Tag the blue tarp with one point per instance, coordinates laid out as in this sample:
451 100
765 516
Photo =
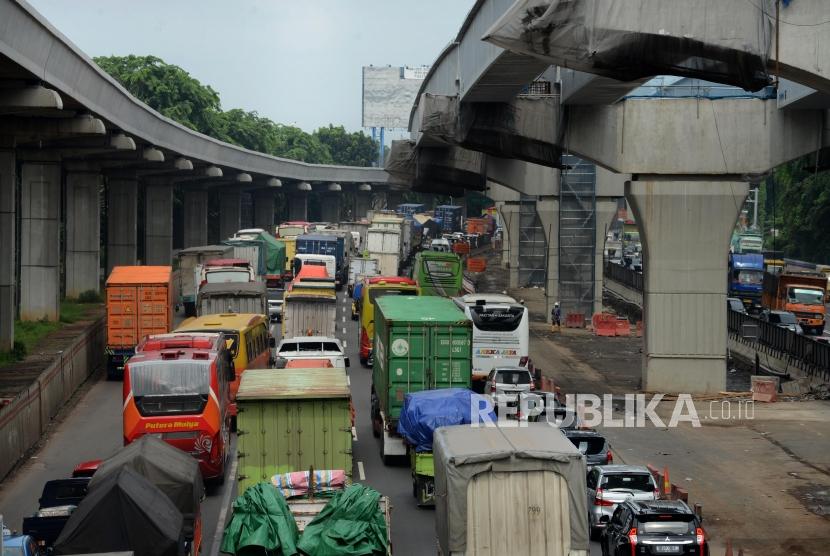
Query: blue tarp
425 411
357 291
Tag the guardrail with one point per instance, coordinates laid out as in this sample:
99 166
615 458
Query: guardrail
813 356
624 275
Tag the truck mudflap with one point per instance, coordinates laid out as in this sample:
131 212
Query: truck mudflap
391 445
423 477
116 360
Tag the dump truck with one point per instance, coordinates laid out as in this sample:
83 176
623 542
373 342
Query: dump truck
139 303
233 297
292 420
335 245
421 343
801 293
310 304
187 280
531 477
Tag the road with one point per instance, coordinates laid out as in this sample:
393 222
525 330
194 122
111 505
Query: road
91 429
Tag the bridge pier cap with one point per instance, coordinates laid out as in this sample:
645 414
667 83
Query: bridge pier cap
685 228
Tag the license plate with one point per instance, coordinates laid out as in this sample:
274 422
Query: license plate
666 549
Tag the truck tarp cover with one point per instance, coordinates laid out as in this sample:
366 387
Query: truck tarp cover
274 254
351 524
174 472
123 512
463 452
725 42
261 523
425 411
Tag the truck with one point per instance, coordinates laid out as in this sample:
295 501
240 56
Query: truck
485 474
275 256
292 420
233 297
746 277
327 245
360 269
186 277
408 209
328 351
310 304
438 273
420 343
139 303
746 242
58 500
292 229
251 250
359 228
449 216
801 293
384 244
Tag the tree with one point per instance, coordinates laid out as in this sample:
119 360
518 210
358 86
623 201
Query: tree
348 149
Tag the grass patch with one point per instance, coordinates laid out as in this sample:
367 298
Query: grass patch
27 334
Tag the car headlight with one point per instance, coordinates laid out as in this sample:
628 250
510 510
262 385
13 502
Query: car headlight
57 511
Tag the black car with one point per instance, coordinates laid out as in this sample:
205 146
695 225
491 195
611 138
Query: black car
654 527
592 444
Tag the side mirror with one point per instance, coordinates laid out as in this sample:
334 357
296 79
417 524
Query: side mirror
272 342
346 361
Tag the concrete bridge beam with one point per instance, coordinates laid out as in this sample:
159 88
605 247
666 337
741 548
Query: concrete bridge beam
83 232
685 229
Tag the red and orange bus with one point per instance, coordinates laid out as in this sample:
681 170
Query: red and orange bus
177 387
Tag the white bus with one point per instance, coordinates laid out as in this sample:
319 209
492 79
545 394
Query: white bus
500 332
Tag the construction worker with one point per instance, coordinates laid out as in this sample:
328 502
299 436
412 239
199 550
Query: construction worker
555 318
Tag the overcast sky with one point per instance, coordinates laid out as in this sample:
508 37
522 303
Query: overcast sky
294 61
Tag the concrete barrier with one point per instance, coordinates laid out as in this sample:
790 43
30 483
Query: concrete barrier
24 419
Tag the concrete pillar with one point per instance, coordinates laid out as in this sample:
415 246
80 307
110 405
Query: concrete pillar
83 232
685 228
393 199
605 212
264 210
548 210
362 203
298 206
195 217
379 200
122 222
158 224
331 207
8 264
509 212
428 199
230 213
40 248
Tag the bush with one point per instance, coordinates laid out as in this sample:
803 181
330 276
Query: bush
89 296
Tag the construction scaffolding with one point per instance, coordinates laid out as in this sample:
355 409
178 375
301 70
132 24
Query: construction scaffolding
577 235
532 245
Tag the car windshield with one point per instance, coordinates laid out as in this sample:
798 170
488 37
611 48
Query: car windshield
806 296
170 378
633 481
589 446
513 377
223 276
676 526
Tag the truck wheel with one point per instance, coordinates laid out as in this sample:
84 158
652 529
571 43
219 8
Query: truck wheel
364 361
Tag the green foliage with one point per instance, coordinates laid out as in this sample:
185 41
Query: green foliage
176 94
795 201
90 296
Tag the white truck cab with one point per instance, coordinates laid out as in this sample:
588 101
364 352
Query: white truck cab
313 347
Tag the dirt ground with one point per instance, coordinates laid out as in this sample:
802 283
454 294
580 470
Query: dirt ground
762 477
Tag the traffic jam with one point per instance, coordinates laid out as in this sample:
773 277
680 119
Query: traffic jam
234 369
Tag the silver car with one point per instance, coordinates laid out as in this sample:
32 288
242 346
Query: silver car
608 485
505 385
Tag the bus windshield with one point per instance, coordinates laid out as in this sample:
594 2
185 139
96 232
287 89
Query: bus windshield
170 378
496 319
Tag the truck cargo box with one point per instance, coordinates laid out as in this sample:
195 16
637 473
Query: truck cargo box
189 259
421 343
388 263
383 240
292 420
532 478
233 297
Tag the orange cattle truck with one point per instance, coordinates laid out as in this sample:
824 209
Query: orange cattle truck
801 293
139 303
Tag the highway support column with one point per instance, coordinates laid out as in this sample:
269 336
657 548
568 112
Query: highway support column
122 222
509 212
330 211
264 210
605 210
362 203
230 213
8 264
40 241
685 228
548 210
158 224
298 206
83 231
195 217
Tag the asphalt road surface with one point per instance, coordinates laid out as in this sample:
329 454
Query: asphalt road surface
91 429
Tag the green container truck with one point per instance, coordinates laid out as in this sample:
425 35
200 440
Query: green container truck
421 343
292 420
